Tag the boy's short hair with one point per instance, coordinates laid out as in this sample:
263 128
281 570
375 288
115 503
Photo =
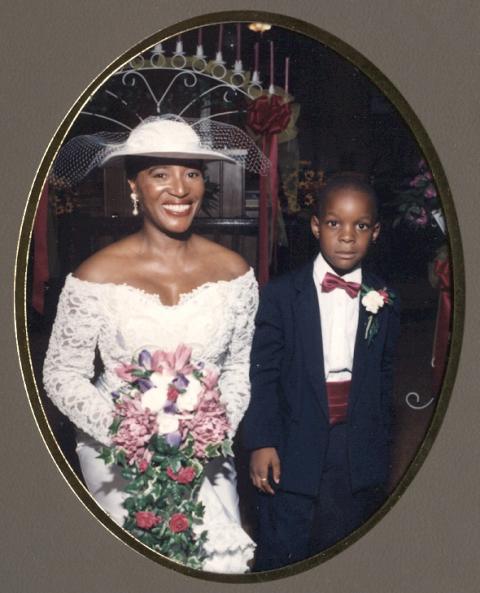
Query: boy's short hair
354 181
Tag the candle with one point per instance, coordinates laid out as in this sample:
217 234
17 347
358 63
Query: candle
200 33
287 72
239 41
179 48
257 56
220 38
271 63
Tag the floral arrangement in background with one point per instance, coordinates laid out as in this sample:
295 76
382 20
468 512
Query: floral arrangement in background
62 198
63 203
311 180
418 204
169 422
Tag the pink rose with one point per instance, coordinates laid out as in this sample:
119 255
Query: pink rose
208 426
135 430
416 181
184 476
142 465
146 519
430 192
422 219
178 522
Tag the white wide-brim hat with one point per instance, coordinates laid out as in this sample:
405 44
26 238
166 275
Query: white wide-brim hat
165 138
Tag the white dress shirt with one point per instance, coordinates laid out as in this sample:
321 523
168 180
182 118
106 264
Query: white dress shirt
339 321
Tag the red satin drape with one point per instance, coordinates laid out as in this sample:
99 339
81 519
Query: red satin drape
40 253
442 328
267 116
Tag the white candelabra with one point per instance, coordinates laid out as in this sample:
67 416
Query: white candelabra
188 68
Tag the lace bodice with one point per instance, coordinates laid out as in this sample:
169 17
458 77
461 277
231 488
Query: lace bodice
216 320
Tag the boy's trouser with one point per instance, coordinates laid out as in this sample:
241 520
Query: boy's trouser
292 527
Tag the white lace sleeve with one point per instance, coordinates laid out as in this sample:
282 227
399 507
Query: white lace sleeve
234 380
69 368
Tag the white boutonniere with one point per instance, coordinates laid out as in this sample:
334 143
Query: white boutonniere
373 300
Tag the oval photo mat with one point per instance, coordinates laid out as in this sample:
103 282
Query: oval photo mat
347 117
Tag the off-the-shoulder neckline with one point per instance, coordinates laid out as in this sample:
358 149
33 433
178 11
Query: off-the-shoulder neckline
155 296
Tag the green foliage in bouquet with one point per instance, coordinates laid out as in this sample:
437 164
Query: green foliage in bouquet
162 504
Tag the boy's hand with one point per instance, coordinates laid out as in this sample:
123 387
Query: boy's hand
261 461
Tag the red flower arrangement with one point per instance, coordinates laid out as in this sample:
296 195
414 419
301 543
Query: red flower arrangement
146 519
178 523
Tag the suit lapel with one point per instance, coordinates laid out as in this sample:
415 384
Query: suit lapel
307 318
361 351
359 355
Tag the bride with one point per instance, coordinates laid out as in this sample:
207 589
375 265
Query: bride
162 286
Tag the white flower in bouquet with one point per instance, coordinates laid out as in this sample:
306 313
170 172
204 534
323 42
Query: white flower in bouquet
156 397
167 423
161 380
188 400
373 301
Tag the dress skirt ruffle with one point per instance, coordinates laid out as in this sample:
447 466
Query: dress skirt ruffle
228 546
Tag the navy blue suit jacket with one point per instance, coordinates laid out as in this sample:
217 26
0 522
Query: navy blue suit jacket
289 409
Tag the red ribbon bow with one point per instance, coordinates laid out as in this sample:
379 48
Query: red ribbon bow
331 281
268 115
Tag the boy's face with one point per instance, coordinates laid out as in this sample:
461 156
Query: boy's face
345 228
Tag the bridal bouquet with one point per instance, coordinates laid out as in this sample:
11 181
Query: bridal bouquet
169 422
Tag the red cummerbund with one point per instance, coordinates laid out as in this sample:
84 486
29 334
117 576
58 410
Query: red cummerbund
337 395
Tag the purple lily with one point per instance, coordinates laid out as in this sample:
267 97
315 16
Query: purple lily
180 382
170 407
143 385
145 359
174 438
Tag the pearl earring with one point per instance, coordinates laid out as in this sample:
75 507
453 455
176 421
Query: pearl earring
134 198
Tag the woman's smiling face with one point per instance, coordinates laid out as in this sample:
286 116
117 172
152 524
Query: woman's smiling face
345 227
170 194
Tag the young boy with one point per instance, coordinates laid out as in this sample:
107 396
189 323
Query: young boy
318 424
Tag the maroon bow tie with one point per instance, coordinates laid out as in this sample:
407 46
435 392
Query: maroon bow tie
331 281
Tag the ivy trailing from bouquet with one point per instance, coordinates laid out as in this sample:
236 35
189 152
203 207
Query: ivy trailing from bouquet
168 424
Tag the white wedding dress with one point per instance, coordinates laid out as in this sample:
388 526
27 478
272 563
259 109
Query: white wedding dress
215 320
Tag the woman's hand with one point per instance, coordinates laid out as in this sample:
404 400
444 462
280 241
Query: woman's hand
261 460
